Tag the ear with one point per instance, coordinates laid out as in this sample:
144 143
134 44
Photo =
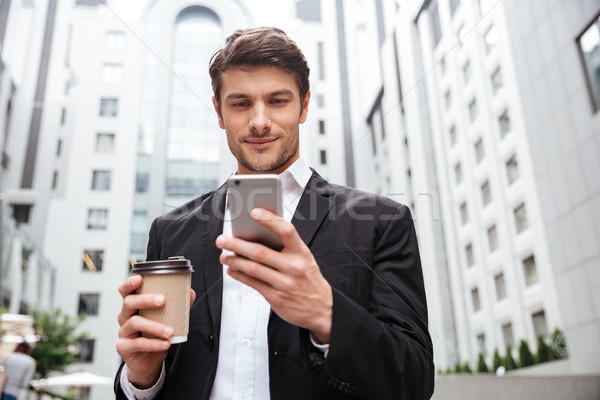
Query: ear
304 112
216 106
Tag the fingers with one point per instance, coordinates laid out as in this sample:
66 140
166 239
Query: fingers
136 324
134 302
141 345
254 269
192 296
131 284
286 230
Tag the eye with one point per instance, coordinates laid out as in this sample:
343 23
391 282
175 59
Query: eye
279 101
239 104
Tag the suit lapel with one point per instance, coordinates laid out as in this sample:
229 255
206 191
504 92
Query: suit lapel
313 207
212 213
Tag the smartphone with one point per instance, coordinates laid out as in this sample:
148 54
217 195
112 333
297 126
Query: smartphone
246 192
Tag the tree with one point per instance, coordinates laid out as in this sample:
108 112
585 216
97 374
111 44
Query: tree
509 361
543 351
525 356
481 365
53 352
497 363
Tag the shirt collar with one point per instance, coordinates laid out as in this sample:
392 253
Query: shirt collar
298 174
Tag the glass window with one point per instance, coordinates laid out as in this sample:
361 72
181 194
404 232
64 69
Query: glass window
530 270
512 169
63 116
436 28
115 40
101 180
321 60
504 124
479 151
86 350
141 182
521 218
192 160
139 224
105 142
448 99
97 218
452 134
497 83
443 65
486 193
481 344
323 157
21 212
540 328
309 10
589 48
473 110
109 107
320 101
492 238
54 180
475 299
458 173
112 73
453 6
467 71
507 334
321 127
491 38
500 287
92 260
469 254
88 303
464 215
58 147
461 34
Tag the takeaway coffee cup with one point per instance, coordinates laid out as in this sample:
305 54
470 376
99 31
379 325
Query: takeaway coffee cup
173 278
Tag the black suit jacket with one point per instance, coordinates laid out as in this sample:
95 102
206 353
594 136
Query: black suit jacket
367 250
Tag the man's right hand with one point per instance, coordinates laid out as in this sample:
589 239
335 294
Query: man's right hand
143 356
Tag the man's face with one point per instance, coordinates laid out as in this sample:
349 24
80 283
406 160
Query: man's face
261 111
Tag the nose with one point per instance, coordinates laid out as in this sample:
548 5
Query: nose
260 120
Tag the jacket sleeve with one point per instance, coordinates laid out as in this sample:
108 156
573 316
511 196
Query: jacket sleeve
385 351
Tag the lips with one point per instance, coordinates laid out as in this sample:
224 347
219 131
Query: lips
261 143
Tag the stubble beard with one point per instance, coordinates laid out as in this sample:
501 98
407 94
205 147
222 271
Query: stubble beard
258 165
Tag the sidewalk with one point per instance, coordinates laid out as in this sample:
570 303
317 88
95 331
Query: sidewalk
491 387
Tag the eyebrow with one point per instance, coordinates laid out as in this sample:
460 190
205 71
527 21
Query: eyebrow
235 96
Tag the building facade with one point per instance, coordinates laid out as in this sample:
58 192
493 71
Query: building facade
458 104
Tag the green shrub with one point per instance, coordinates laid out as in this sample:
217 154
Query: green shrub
466 368
525 356
481 365
497 362
457 368
543 351
509 361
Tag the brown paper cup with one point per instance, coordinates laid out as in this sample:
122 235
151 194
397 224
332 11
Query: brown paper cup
173 279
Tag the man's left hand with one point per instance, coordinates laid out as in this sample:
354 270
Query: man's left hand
290 279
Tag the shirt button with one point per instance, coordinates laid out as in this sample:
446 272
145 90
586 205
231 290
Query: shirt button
245 341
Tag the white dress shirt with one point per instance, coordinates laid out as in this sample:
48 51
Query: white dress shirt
243 367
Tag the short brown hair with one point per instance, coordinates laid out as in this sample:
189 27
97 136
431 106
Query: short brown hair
24 348
259 46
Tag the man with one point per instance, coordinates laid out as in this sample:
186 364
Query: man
338 313
19 367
